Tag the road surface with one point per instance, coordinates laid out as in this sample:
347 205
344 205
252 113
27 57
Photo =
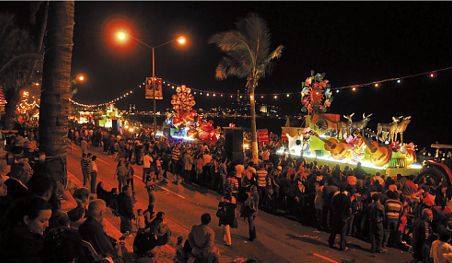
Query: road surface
279 239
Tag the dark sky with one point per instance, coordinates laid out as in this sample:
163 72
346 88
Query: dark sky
352 42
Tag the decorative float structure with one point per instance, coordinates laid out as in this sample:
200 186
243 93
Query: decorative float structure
326 138
185 123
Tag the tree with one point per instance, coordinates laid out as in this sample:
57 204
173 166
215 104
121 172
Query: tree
21 55
55 92
247 55
16 57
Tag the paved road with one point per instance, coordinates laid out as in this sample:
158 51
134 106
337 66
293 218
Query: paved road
278 239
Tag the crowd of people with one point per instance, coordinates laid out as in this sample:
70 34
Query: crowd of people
44 221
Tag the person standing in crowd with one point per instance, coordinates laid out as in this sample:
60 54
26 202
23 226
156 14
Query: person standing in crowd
202 241
121 174
130 175
94 171
125 210
84 146
223 174
93 231
340 212
261 174
227 218
199 166
175 156
249 211
147 160
393 213
206 159
422 236
188 165
88 166
376 219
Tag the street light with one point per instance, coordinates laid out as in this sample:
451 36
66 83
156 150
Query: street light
122 36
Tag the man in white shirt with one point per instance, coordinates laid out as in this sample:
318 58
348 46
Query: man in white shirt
147 160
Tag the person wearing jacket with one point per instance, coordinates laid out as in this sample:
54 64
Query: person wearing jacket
249 210
227 204
125 210
340 212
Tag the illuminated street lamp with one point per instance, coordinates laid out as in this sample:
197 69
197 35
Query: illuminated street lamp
122 36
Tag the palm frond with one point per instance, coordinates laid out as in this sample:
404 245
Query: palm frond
277 53
257 34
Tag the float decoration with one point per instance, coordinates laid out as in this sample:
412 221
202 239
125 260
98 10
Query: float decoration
316 95
182 119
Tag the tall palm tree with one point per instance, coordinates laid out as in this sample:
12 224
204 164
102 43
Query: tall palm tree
247 55
55 92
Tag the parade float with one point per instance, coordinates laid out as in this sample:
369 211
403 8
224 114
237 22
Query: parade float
185 123
327 139
109 118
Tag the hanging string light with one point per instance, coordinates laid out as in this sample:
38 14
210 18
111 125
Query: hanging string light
354 87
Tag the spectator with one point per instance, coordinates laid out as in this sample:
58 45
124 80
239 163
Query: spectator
202 241
94 171
422 235
24 242
125 210
376 219
441 247
393 213
227 205
340 213
249 210
92 230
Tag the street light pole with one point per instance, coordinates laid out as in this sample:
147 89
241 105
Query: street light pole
122 36
154 90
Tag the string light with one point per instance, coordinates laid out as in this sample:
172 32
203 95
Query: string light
354 87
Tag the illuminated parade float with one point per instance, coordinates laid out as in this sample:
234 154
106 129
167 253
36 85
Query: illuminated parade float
328 139
185 123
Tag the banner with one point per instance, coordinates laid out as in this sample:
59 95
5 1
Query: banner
149 90
262 135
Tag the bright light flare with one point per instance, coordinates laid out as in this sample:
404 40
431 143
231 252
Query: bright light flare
181 40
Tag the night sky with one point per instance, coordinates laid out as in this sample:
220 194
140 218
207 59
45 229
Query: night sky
352 42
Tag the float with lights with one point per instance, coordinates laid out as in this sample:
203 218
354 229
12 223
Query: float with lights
328 139
185 123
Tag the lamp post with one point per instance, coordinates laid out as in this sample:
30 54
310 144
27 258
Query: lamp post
122 36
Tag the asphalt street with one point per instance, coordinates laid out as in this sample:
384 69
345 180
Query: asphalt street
279 239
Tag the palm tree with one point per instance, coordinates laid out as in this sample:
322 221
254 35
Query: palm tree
55 92
21 55
16 57
247 55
